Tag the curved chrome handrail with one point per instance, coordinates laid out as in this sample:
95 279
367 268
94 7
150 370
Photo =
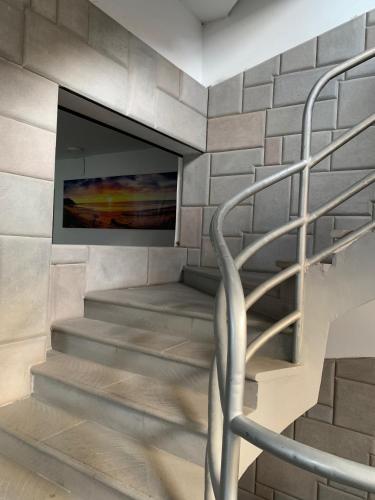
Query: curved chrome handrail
227 423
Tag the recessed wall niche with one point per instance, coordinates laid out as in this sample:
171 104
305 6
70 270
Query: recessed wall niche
111 187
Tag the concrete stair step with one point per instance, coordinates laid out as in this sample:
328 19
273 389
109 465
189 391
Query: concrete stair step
19 483
171 358
275 304
92 460
167 415
173 308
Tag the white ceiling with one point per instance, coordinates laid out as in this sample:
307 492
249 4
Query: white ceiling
209 10
199 36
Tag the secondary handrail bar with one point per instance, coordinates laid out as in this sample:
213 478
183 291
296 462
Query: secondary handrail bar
273 330
319 462
341 244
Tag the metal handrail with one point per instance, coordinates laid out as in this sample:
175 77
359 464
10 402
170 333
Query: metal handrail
227 423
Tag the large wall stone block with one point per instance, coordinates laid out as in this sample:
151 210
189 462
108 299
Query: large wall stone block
142 81
208 256
342 442
319 140
273 148
20 4
236 162
324 227
168 77
196 181
116 267
271 206
370 37
26 150
371 17
26 205
165 265
236 131
223 188
191 227
356 101
280 475
180 121
355 406
69 254
24 269
326 185
46 8
194 257
108 36
194 94
359 153
226 97
74 15
238 221
11 32
343 42
67 290
357 369
263 73
327 493
15 360
288 120
59 55
258 98
301 57
327 385
283 249
27 97
294 88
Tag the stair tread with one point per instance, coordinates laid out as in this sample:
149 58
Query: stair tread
171 298
193 352
247 277
165 400
120 461
18 483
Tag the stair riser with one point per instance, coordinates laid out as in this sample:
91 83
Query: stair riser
168 436
35 458
275 304
193 328
141 363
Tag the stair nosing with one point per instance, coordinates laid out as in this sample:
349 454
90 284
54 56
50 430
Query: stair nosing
112 398
161 355
131 347
170 312
82 468
151 307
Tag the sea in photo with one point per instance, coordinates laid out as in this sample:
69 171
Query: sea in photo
142 201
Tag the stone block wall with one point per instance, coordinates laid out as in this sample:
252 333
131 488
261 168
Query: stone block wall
77 269
341 423
45 44
254 130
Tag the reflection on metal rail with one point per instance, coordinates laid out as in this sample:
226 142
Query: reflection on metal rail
227 424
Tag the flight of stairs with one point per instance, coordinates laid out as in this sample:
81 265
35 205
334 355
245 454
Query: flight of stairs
119 409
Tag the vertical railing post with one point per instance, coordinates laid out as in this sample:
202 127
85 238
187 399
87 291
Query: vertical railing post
302 232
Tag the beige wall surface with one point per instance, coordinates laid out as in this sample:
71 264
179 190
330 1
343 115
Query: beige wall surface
45 44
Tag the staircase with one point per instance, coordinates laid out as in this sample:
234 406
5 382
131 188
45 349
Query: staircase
119 409
165 392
